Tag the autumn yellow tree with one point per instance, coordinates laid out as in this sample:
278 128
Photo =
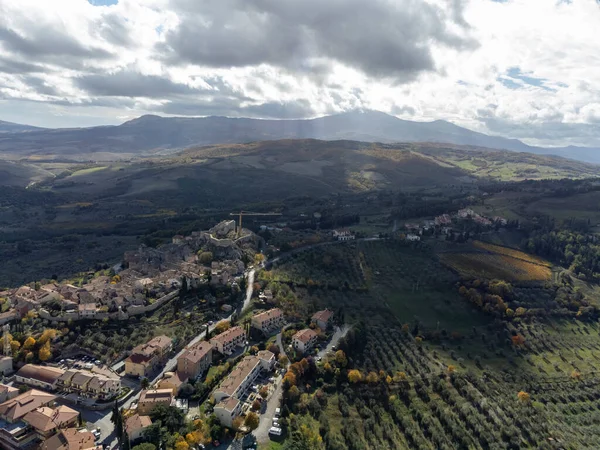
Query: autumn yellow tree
340 358
289 380
523 397
181 444
222 326
47 335
15 346
451 369
388 380
354 376
576 375
45 353
29 343
237 423
251 421
520 311
372 378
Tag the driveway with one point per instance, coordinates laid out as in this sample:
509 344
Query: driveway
266 417
339 333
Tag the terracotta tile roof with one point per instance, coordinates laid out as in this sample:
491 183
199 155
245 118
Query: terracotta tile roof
137 423
305 335
81 378
229 404
266 355
197 352
228 335
139 359
71 439
233 381
17 407
270 314
45 374
156 395
323 316
158 343
46 419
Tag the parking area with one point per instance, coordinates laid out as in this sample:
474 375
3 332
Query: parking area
269 408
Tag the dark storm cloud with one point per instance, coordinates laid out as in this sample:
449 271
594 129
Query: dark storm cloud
8 65
379 37
45 45
222 106
131 84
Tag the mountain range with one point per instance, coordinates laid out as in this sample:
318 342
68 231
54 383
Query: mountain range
152 135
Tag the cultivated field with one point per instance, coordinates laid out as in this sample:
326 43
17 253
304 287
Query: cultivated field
496 262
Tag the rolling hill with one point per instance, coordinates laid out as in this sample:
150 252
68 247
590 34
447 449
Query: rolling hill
9 127
155 135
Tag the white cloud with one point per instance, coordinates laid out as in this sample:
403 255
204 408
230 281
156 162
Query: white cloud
535 74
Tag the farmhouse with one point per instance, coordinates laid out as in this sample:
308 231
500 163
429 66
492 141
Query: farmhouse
304 340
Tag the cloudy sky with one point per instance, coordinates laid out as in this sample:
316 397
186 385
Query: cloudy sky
528 69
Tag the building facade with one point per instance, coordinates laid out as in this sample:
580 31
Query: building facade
226 342
195 360
269 321
304 340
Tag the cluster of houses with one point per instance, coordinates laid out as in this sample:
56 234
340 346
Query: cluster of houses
148 278
444 223
84 383
34 420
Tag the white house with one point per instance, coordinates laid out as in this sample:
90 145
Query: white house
343 235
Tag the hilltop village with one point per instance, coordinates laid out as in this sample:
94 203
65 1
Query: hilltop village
146 279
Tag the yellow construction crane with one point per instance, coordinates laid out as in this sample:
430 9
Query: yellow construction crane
246 213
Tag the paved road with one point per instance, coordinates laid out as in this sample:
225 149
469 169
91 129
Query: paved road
339 333
249 289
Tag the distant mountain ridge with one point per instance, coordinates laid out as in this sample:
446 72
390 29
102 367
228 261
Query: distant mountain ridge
10 127
153 134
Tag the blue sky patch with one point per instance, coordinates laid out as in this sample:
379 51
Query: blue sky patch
103 2
515 79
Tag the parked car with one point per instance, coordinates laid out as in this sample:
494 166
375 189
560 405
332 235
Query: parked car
275 431
277 412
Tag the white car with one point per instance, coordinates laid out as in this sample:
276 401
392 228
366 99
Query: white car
277 412
274 430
